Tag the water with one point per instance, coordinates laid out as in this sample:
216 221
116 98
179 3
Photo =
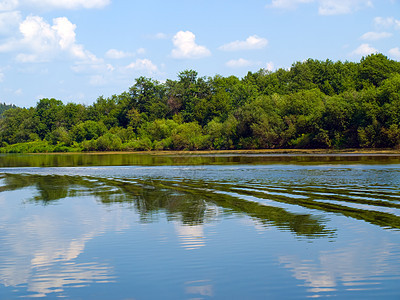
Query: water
199 226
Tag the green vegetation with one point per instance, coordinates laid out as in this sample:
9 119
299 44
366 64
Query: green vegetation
4 107
315 104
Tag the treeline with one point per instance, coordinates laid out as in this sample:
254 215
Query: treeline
314 104
4 107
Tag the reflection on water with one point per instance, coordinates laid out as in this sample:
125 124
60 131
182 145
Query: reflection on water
191 237
182 159
183 201
201 231
349 268
201 287
39 248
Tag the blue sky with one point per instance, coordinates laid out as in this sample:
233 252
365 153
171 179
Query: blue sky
78 50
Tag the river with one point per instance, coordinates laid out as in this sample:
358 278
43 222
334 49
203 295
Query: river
212 226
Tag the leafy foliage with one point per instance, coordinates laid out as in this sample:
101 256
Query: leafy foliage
314 104
4 107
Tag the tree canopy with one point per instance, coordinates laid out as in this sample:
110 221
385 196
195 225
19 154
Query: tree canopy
314 104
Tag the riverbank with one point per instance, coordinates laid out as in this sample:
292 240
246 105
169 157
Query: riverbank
246 151
273 151
243 152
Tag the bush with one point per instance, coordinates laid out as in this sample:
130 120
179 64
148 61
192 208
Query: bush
87 131
188 136
125 134
61 147
30 147
108 142
158 130
88 145
144 144
165 144
59 135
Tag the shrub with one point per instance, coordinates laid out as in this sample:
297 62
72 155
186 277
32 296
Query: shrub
59 135
188 136
30 147
144 144
108 142
87 131
165 144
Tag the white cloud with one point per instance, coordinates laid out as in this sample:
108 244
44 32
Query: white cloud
117 54
143 65
92 67
239 63
65 31
288 4
41 42
364 50
395 52
186 47
374 36
10 5
27 58
325 7
66 4
243 63
9 21
110 67
97 80
141 51
1 76
101 74
16 92
38 37
270 66
337 7
7 5
389 22
157 36
252 42
160 36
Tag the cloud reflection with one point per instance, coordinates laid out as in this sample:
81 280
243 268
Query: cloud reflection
72 274
41 247
191 237
347 268
200 287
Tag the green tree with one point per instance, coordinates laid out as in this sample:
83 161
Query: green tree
375 68
4 107
188 136
48 113
222 135
148 96
72 114
88 130
18 125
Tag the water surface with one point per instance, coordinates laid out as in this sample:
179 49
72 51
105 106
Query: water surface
199 226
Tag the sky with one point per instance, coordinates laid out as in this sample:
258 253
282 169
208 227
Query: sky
78 50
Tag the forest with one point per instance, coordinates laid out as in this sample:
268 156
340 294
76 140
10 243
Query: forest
4 107
313 104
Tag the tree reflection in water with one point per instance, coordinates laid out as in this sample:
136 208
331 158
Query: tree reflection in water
192 203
